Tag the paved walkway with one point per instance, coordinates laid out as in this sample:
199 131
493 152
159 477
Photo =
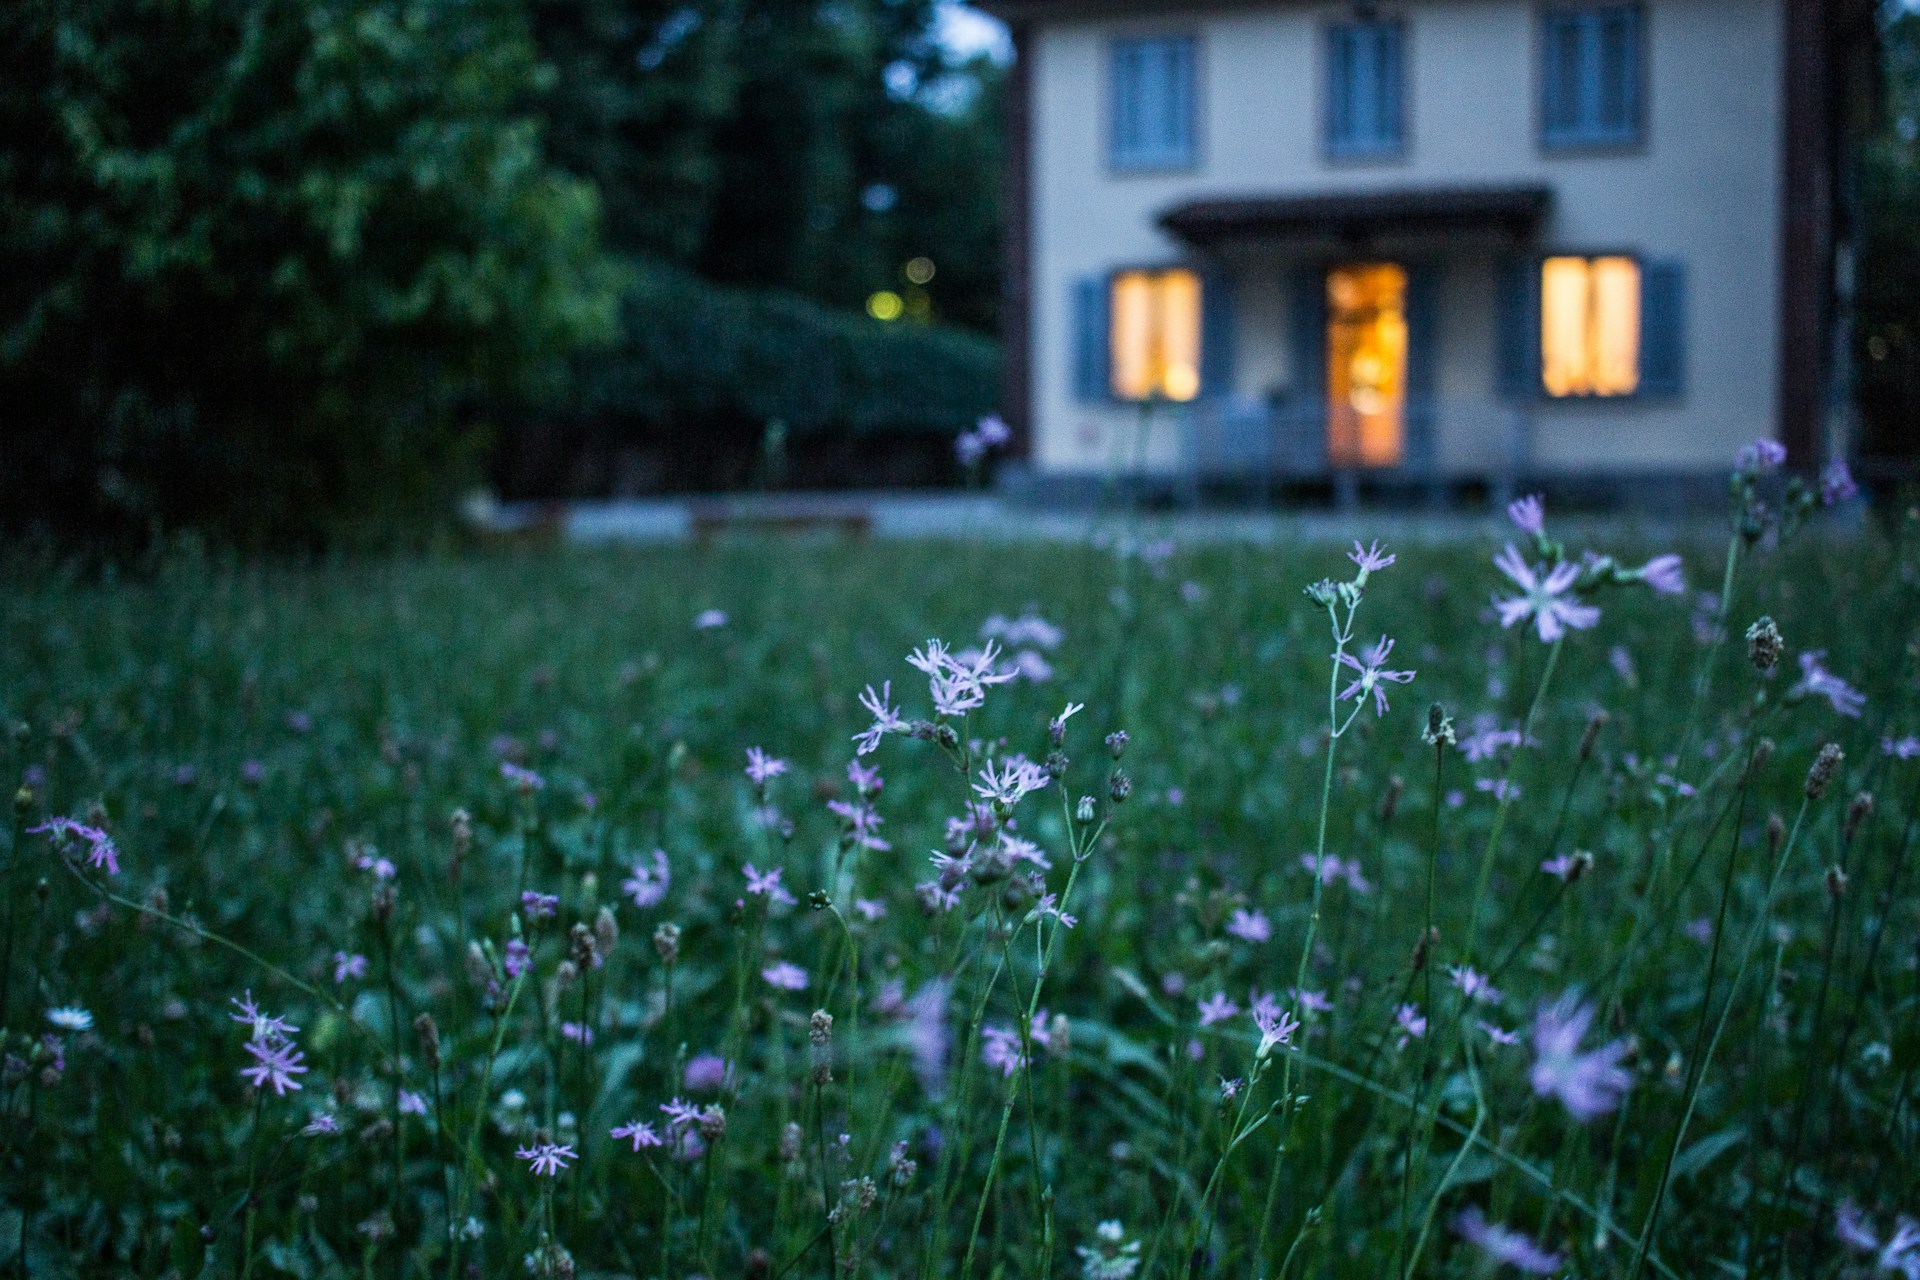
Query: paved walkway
936 515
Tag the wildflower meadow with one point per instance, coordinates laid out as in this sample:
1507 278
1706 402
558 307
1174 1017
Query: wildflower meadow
1534 902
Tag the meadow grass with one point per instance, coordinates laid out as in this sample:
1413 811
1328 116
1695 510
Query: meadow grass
343 794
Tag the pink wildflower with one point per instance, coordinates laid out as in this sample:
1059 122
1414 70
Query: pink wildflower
348 966
647 886
1373 678
763 768
767 885
1588 1084
546 1159
276 1063
1529 514
1664 575
785 975
1504 1244
1217 1008
1545 598
1816 680
101 851
885 719
1250 926
641 1131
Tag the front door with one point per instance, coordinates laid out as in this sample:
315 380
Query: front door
1367 364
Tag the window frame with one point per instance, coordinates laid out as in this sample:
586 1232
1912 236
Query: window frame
1163 267
1120 164
1634 139
1536 311
1335 151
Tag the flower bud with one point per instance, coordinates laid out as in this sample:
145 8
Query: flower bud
606 933
1117 743
1390 801
1084 812
1119 786
820 1046
1764 645
428 1033
1820 774
1858 811
1595 723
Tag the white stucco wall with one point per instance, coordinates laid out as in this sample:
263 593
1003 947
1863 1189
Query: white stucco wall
1704 189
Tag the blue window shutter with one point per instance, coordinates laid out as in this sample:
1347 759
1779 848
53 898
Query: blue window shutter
1181 101
1393 70
1127 107
1092 373
1663 328
1517 328
1423 336
1216 332
1340 56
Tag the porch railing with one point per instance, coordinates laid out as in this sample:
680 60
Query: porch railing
1244 439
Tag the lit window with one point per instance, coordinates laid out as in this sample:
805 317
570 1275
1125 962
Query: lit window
1590 326
1156 335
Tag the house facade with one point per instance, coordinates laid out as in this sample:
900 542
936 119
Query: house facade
1426 240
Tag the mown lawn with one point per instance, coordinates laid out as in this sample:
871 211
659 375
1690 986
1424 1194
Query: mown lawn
277 755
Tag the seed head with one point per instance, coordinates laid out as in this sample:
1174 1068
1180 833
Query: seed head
666 941
1776 834
1439 727
1764 645
1820 774
1084 812
582 949
820 1046
1836 883
606 933
713 1121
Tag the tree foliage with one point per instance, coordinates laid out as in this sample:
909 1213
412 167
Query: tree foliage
258 261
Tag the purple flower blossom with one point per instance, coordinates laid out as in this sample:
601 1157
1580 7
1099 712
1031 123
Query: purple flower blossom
540 906
867 781
320 1125
381 868
525 779
346 965
1499 788
1560 867
1217 1008
767 886
641 1131
412 1103
1499 1035
705 1073
546 1159
885 718
1588 1084
1473 984
1016 778
1836 484
1276 1028
1504 1244
578 1032
261 1026
870 909
1815 679
680 1114
276 1063
1311 1001
647 886
708 619
252 772
763 768
1250 926
1852 1228
1373 678
1664 575
101 851
1760 457
1000 1048
1412 1023
785 975
1049 905
1901 749
928 1040
1529 514
1545 598
957 686
1333 868
1029 630
516 959
1371 558
993 431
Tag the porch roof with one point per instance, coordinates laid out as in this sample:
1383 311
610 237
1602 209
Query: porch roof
1515 210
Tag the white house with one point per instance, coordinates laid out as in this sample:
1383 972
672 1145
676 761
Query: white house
1426 241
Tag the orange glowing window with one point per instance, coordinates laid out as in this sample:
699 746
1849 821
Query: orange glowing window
1590 326
1156 335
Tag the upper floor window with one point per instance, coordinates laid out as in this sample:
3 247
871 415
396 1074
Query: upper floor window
1366 68
1153 103
1592 76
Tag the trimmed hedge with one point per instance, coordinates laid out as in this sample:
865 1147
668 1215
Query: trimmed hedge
692 353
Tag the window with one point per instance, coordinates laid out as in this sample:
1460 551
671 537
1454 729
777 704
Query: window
1155 335
1591 76
1365 69
1590 326
1153 103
